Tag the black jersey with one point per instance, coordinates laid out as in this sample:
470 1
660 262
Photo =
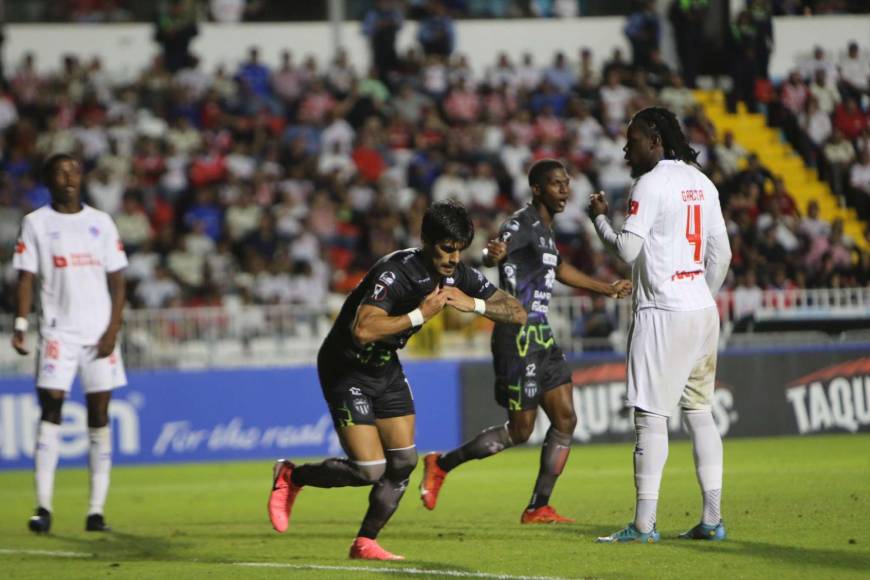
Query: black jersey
528 272
398 283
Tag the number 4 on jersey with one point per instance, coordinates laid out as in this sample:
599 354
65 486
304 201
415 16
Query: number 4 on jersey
693 229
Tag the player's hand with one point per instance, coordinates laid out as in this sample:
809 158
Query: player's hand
458 299
19 343
106 344
598 205
621 288
496 250
433 303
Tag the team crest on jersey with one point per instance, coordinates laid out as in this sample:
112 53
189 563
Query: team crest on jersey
633 207
379 292
530 389
450 281
362 406
505 237
387 277
94 231
542 241
513 225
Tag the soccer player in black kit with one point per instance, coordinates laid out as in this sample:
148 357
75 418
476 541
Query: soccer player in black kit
530 369
363 381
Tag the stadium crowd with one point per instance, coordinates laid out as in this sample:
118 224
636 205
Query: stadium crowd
280 185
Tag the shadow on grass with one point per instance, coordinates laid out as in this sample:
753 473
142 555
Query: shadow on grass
847 559
124 546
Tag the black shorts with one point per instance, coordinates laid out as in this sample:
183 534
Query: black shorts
356 397
520 381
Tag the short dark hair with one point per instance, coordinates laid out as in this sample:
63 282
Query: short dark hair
541 168
447 220
49 164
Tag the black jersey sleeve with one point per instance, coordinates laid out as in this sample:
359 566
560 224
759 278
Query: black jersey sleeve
387 285
474 283
514 235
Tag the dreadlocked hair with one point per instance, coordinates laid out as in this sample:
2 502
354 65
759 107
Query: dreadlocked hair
660 121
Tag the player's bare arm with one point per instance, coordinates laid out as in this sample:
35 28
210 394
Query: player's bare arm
571 276
501 306
495 252
25 300
373 323
117 290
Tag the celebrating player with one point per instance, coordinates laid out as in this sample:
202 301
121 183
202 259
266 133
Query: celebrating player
530 369
363 381
674 236
75 251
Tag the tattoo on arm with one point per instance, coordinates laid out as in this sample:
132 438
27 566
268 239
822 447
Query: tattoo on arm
502 307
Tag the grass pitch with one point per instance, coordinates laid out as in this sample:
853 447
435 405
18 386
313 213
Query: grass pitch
794 507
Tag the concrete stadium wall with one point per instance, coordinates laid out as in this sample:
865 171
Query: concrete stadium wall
127 48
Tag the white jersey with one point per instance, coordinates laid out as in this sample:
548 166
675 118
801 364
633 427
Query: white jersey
71 254
675 209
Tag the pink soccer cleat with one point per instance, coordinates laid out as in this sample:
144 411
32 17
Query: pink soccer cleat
283 495
368 549
544 515
433 479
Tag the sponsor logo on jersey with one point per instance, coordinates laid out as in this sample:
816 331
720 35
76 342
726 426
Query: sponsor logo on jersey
833 398
633 207
550 259
379 292
387 277
59 261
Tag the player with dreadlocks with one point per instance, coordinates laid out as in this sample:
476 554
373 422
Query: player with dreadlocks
674 236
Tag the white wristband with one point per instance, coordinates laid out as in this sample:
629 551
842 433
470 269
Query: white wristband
21 324
479 306
416 317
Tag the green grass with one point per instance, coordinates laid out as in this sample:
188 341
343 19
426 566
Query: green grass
794 507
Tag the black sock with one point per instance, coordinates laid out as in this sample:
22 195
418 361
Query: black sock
383 502
333 472
554 455
488 442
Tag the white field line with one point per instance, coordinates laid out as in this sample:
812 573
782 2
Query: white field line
397 570
52 553
365 569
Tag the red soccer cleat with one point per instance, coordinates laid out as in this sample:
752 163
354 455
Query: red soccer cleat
283 495
544 515
368 549
433 479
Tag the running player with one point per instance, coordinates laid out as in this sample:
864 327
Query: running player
530 369
363 381
76 253
674 236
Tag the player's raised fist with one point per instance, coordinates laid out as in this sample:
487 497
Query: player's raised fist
433 303
598 205
496 250
458 299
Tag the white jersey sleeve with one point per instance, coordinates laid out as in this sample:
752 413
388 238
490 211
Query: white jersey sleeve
116 257
26 256
643 207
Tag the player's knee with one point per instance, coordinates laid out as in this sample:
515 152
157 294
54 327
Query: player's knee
401 463
520 431
50 404
371 471
98 419
565 422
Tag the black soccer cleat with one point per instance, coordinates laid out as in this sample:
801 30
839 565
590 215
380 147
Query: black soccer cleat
40 522
96 523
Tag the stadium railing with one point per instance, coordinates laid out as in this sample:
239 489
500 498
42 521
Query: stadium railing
287 334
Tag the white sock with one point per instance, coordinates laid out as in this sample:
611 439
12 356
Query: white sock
99 465
650 455
45 462
707 450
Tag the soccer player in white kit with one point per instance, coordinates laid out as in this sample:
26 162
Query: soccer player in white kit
674 236
75 253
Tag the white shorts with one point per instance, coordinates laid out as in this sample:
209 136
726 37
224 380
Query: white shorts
58 362
672 360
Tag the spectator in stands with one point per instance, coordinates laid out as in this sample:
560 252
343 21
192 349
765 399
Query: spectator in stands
817 126
839 154
642 30
854 73
826 95
729 154
560 75
818 61
436 32
597 324
174 30
614 99
157 291
743 46
859 184
687 17
381 25
760 12
849 119
748 297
